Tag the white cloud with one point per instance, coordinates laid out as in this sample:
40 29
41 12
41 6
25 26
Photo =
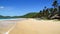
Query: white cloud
1 7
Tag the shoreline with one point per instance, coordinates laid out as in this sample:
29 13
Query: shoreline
13 19
32 26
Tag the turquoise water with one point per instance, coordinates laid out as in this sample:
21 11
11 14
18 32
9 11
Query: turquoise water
13 19
6 24
10 19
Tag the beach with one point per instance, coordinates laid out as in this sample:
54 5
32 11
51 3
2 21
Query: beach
8 24
32 26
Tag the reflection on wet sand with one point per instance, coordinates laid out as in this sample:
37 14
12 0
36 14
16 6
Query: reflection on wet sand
6 25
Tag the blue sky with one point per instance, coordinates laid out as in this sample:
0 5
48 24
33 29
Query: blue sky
21 7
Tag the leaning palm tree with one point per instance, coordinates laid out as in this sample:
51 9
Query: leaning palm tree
55 4
56 9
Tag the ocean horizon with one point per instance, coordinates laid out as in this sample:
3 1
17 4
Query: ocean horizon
9 19
12 19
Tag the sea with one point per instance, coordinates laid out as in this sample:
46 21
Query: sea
9 19
6 24
2 19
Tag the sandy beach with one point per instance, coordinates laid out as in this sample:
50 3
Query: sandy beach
29 26
33 26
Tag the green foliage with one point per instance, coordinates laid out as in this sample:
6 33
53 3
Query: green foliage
29 15
1 17
55 3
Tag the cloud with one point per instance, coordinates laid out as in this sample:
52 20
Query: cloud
6 8
1 7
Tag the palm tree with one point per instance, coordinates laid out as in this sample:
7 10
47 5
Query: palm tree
40 14
55 3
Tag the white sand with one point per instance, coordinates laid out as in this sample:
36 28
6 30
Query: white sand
32 26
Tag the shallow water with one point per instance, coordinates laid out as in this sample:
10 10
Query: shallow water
6 24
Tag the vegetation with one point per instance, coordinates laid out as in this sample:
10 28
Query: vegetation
29 15
48 13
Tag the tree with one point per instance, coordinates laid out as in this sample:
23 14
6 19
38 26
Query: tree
40 14
44 11
51 10
55 3
55 10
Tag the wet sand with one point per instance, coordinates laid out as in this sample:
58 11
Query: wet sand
5 25
33 26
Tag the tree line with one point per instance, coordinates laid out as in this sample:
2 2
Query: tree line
50 13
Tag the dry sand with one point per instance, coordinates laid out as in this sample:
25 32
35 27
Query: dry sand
32 26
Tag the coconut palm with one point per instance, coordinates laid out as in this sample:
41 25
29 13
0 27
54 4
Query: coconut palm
55 3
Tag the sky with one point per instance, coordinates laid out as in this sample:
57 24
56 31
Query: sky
22 7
